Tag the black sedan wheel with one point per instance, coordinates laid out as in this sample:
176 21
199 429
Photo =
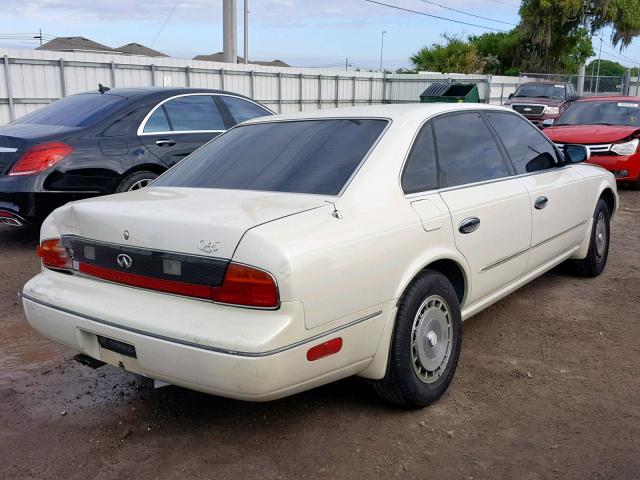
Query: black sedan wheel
136 181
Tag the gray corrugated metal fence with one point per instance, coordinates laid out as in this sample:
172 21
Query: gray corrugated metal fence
31 78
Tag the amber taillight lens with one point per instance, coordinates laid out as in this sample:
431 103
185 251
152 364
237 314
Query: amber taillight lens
54 255
40 157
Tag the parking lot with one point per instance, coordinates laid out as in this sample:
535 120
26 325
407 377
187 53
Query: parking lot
547 387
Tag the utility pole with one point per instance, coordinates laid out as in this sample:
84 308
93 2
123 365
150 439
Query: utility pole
382 48
229 33
246 31
598 72
583 66
39 36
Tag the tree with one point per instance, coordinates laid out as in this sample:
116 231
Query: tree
607 68
499 51
550 27
455 55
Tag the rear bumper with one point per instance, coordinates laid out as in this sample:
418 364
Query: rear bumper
26 197
237 353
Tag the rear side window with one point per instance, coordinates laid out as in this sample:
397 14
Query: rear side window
307 156
420 172
467 152
157 122
527 148
242 110
83 110
193 113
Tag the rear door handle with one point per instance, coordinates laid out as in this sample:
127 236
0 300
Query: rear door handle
165 143
469 225
540 203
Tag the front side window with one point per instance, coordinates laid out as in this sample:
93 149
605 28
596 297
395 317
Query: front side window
420 172
467 152
242 110
191 113
527 148
306 156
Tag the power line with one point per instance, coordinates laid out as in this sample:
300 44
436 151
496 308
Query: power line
467 13
165 22
433 16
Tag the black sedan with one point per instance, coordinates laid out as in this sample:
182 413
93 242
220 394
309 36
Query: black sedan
107 141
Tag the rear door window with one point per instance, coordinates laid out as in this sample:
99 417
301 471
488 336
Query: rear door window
420 172
242 110
157 122
467 152
306 156
193 113
527 148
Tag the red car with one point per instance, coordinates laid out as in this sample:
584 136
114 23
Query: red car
610 128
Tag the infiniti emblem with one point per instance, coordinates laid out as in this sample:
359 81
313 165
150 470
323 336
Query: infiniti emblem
124 261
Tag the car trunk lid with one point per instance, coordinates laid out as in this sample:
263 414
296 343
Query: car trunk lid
203 222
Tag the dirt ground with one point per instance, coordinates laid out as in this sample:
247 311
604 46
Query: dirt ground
548 386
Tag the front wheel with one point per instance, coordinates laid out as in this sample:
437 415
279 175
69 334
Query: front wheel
595 261
426 343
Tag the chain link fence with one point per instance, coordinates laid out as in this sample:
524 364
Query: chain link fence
592 84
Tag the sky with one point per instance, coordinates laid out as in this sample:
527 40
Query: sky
301 32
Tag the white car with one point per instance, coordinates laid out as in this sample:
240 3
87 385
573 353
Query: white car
299 249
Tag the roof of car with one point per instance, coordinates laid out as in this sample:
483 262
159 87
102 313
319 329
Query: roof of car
612 98
136 92
545 82
389 111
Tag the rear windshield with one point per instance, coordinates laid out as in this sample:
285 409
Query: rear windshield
541 90
83 110
308 156
602 113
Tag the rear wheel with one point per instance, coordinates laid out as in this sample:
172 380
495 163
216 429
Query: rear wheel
595 261
425 344
136 181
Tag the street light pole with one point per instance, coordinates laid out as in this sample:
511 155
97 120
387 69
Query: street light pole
382 48
229 38
246 31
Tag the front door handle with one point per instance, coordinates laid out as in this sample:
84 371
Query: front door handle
165 143
540 203
469 225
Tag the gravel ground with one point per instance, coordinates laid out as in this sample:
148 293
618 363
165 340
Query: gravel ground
547 387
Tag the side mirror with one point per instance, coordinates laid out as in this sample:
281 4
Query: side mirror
548 122
510 96
573 98
576 153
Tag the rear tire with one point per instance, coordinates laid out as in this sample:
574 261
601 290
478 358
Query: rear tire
136 181
426 343
595 261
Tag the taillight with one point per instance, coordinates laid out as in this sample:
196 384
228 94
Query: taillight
247 286
54 255
41 157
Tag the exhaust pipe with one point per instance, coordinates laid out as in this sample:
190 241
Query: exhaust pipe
8 218
88 361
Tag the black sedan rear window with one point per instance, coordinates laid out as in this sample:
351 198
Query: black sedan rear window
83 110
308 156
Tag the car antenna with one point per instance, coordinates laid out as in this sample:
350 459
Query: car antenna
102 88
336 213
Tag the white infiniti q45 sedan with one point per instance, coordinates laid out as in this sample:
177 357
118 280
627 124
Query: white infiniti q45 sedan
299 249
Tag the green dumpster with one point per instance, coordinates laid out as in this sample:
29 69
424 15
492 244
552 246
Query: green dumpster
451 93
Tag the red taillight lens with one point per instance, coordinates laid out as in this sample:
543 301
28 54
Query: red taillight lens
41 157
247 286
54 255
